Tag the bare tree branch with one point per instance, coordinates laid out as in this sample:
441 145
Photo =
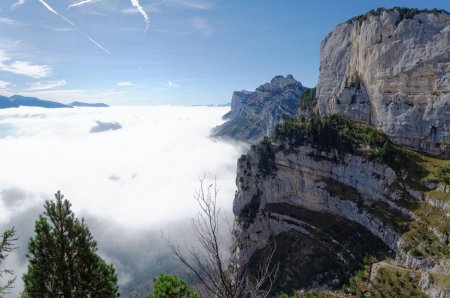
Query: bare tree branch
222 277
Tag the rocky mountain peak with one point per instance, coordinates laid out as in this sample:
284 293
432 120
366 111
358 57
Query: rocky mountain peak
255 114
280 82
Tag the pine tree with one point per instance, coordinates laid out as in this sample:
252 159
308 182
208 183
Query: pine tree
62 257
6 247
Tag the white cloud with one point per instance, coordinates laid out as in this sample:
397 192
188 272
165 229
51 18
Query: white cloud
124 84
4 85
202 26
23 67
8 21
158 155
60 29
17 3
80 3
46 85
193 4
130 10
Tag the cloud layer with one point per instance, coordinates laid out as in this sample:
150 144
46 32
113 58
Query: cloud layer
24 68
139 179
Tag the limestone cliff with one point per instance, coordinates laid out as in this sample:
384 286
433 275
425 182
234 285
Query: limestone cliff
255 114
330 193
391 69
340 195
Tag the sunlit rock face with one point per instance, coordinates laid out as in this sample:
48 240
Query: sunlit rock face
255 114
391 71
324 211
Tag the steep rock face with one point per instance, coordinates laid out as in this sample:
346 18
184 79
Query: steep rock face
394 73
326 211
254 115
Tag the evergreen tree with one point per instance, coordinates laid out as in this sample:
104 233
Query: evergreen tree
62 257
171 286
6 247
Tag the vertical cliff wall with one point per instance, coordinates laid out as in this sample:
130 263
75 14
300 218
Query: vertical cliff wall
329 193
391 69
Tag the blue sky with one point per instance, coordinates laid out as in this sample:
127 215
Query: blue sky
127 52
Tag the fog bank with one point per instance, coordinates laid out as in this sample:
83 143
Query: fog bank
129 183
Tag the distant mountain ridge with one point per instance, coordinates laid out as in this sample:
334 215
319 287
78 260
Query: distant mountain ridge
254 114
84 104
16 101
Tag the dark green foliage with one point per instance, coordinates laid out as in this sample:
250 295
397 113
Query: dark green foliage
308 101
405 13
389 281
443 174
353 81
266 152
333 132
171 286
62 257
6 247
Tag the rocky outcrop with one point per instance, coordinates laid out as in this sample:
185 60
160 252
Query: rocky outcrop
255 114
391 69
334 210
326 210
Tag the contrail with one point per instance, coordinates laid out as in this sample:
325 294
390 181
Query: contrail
135 3
55 12
94 42
139 8
80 3
73 25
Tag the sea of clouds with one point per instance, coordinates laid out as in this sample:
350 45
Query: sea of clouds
131 172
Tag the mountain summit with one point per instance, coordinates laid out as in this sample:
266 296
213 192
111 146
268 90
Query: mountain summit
255 114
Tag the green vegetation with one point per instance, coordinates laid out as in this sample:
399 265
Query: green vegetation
308 101
353 81
389 281
441 281
392 282
266 152
334 132
6 247
62 257
419 240
405 13
443 174
171 286
439 195
309 294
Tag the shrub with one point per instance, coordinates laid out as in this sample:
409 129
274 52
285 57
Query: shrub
171 286
443 174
